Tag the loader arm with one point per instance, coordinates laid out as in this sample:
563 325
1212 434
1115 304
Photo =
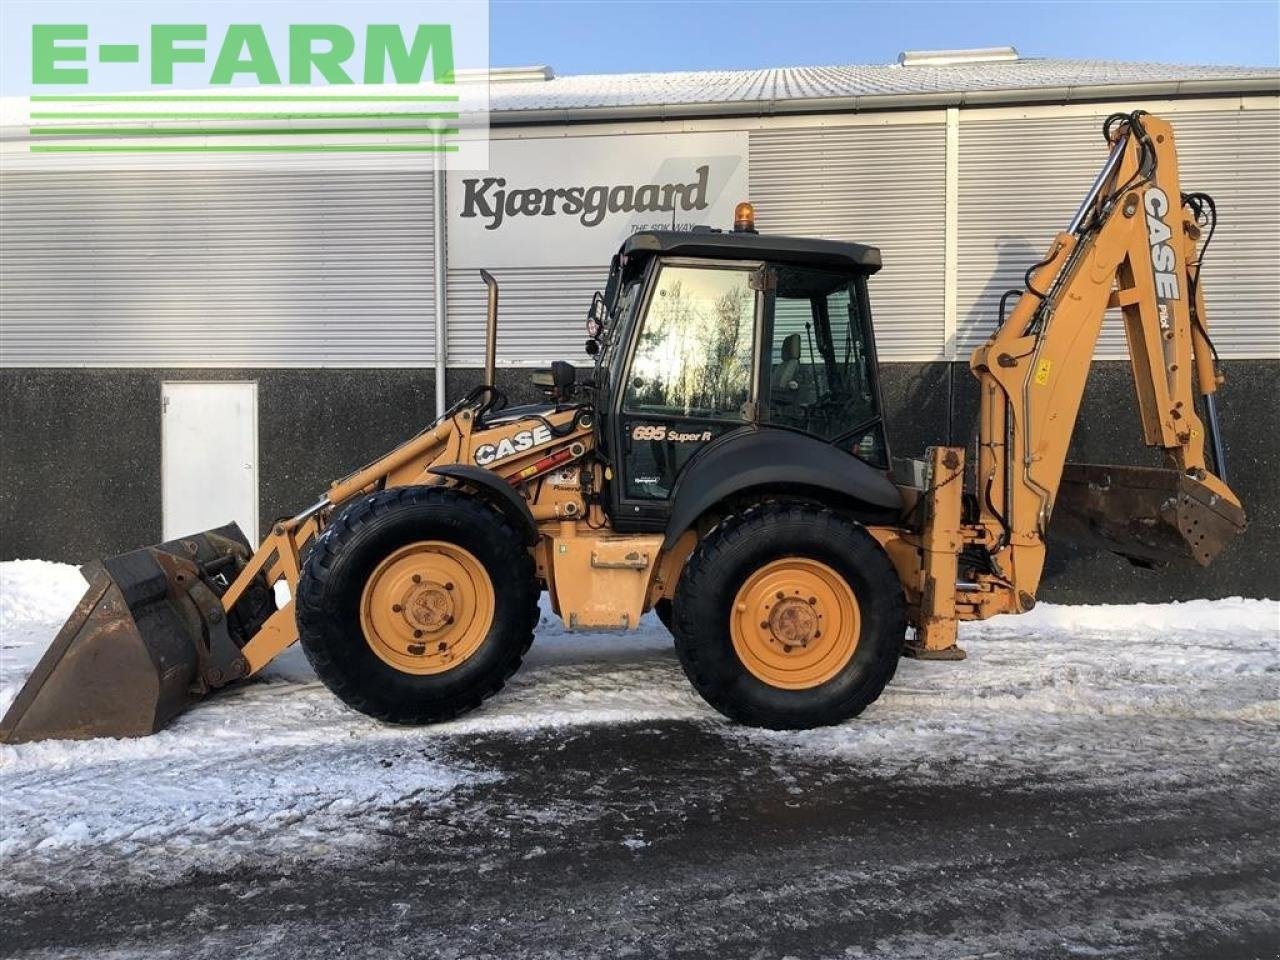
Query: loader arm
1132 245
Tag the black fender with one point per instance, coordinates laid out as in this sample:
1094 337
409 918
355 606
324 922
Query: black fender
775 458
498 492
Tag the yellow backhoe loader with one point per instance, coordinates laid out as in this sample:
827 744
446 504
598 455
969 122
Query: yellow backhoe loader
725 463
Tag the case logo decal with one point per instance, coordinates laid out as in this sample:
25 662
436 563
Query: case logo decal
510 446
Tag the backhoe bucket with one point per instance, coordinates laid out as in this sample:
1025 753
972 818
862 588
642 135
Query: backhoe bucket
1150 515
148 639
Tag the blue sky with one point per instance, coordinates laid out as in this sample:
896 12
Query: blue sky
603 36
609 37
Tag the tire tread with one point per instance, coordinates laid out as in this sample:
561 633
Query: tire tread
695 598
314 591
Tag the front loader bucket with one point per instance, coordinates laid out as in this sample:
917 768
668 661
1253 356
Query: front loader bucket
1150 515
148 639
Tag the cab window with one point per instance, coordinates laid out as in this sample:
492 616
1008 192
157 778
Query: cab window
693 355
820 377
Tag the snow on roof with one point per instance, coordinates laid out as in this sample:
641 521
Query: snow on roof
778 87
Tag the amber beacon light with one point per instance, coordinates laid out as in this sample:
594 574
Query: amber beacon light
744 218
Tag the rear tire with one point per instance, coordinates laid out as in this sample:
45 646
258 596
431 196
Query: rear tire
466 642
765 662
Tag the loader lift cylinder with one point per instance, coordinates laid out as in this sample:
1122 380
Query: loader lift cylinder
1213 430
1104 176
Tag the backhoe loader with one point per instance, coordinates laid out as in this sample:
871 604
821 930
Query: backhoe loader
724 463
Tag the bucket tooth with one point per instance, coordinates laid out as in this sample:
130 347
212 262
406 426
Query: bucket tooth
148 639
1150 515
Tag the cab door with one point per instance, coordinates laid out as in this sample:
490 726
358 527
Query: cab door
691 377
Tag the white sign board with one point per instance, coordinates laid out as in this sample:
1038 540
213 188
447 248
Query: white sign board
571 201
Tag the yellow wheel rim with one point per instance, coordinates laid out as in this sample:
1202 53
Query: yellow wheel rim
427 608
795 623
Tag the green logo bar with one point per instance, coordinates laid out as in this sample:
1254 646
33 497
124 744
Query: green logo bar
256 71
316 50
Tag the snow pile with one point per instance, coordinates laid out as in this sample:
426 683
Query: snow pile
35 598
1235 615
37 591
277 767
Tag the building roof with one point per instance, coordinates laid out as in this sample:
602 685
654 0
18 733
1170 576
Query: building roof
885 86
924 79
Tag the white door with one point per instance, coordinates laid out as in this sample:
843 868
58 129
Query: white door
209 457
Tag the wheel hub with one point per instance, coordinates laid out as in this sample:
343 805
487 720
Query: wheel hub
795 623
427 607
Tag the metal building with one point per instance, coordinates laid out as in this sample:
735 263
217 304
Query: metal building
345 303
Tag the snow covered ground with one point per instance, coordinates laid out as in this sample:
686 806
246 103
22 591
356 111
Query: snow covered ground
278 765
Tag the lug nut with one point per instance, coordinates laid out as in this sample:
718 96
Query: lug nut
396 608
417 578
449 585
417 634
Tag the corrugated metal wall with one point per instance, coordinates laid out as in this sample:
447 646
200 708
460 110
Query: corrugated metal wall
883 185
1021 180
543 313
251 268
215 267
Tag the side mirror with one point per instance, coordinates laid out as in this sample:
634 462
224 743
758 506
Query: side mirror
558 382
563 375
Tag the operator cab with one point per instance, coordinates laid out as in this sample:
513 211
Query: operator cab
706 335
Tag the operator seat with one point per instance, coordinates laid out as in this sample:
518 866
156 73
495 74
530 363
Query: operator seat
784 384
784 373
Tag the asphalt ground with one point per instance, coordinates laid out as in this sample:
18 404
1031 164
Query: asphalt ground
685 838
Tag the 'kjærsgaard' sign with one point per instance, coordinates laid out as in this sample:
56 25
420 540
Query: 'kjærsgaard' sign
572 201
489 197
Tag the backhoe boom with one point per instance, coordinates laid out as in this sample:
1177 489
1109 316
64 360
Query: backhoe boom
1133 245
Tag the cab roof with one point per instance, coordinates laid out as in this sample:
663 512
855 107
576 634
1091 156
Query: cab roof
741 245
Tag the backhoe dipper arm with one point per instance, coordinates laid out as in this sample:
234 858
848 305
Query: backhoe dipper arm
1133 244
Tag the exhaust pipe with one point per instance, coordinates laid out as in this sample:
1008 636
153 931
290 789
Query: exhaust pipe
491 330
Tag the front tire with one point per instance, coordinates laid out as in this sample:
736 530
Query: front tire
789 616
663 610
416 604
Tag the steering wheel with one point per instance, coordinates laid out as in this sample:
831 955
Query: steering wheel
826 407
